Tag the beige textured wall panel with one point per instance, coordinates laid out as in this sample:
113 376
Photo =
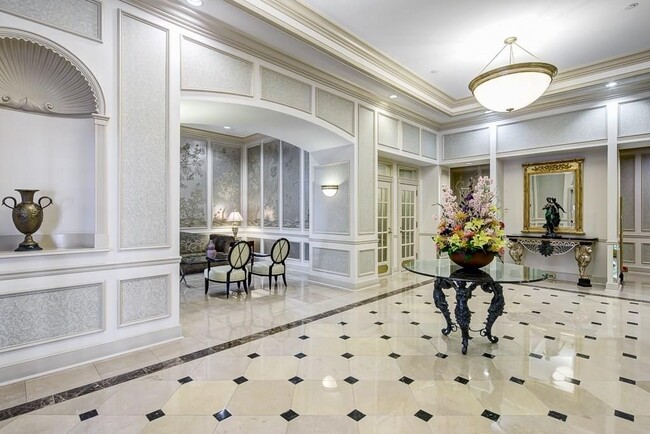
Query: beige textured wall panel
366 262
335 110
81 17
144 299
331 260
285 90
209 69
144 167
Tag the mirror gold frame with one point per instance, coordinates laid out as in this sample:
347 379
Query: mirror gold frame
554 167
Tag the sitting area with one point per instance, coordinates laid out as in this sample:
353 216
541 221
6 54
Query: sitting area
273 268
234 271
193 248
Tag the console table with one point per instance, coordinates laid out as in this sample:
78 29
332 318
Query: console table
464 281
582 247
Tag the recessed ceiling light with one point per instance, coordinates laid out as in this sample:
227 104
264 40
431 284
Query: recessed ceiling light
226 127
631 6
393 96
611 84
195 2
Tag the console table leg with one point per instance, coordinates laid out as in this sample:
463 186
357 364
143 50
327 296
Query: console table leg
463 314
440 300
495 310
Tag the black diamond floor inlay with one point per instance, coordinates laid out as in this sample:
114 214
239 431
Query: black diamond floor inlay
253 355
517 380
415 323
379 323
572 380
550 338
596 323
523 323
385 337
184 380
634 338
557 415
344 337
398 302
343 323
427 337
441 355
356 415
583 356
631 356
510 338
295 380
347 355
221 415
300 355
289 415
601 311
88 415
240 380
461 380
406 380
624 415
155 415
394 355
488 355
593 338
374 312
559 323
350 380
421 414
633 323
626 380
537 356
491 415
303 337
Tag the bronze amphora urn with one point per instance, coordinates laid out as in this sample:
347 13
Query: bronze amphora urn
27 217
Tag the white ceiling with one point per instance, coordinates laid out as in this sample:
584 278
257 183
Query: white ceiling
447 43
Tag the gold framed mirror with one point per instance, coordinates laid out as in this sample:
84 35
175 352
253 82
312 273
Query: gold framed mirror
561 180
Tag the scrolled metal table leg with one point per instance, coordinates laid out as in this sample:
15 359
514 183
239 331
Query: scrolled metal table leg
495 310
463 314
440 300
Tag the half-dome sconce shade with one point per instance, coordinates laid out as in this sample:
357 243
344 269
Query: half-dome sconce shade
329 190
513 86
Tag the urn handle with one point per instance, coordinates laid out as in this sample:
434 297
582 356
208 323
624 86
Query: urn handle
39 201
5 200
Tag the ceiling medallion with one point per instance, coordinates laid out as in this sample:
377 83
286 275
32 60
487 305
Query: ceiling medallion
513 86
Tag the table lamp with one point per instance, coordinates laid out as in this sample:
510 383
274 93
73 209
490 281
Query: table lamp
236 220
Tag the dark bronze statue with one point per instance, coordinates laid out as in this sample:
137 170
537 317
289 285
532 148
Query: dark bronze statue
552 215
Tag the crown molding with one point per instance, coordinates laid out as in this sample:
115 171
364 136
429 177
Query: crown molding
219 31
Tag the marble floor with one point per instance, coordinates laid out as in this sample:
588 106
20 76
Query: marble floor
311 359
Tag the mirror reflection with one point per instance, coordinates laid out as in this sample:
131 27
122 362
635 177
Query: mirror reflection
556 185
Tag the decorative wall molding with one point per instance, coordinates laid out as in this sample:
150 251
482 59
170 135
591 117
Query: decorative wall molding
36 317
336 110
64 85
144 147
333 261
633 118
366 264
366 168
466 144
284 90
144 299
388 131
79 17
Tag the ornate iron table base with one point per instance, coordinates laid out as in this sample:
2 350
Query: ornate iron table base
463 314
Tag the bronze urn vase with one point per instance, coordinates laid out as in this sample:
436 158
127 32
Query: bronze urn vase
27 216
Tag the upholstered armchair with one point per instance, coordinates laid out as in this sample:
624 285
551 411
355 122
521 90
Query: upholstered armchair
274 265
234 271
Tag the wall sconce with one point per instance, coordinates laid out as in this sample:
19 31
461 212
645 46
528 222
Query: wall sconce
329 190
236 220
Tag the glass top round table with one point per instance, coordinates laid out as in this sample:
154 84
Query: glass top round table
497 271
448 275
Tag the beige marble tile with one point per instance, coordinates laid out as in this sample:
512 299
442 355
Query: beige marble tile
319 367
323 398
448 398
317 346
139 397
272 368
261 398
60 381
622 396
385 398
40 424
573 400
111 425
382 424
368 346
200 398
177 348
252 424
279 346
323 425
181 424
507 398
412 346
372 368
220 367
12 394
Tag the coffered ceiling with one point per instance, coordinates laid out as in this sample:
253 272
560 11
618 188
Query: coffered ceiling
427 51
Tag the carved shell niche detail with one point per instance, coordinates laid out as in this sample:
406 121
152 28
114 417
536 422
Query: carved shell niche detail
36 79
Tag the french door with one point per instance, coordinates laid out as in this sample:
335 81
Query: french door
384 232
408 222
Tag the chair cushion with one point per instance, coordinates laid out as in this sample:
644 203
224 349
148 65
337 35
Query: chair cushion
220 274
263 268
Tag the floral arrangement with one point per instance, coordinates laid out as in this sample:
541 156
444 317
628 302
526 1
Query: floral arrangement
470 225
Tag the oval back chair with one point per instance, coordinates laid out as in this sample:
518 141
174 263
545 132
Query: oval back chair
238 257
274 268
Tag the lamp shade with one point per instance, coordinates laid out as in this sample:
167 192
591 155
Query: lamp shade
235 217
329 190
513 86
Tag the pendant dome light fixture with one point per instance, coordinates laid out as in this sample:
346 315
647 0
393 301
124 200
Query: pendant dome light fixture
513 86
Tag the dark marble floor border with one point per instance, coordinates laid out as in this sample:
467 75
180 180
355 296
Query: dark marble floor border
586 292
141 372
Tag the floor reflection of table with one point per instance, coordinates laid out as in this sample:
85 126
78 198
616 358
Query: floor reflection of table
464 281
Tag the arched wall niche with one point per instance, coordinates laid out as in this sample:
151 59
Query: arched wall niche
54 120
38 75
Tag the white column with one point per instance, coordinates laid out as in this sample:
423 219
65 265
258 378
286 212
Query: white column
612 193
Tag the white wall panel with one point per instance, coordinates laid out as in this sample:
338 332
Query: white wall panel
144 210
335 110
366 262
387 131
429 144
144 299
367 165
285 90
331 215
466 144
331 260
634 118
410 138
